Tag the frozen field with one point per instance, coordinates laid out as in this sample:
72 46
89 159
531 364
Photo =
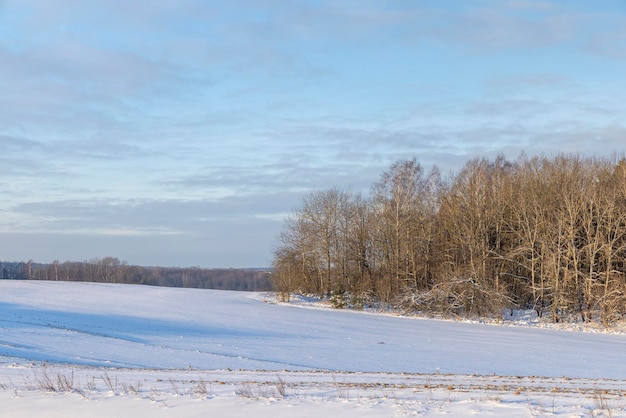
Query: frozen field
80 349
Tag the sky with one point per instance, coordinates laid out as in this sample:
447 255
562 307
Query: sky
182 132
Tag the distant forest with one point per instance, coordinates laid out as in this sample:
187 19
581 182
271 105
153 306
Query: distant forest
112 270
542 233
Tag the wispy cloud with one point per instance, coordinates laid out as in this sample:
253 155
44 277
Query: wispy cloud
610 44
183 125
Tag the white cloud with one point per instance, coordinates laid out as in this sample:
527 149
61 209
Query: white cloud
145 119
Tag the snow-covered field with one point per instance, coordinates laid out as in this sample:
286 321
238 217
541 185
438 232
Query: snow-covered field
84 349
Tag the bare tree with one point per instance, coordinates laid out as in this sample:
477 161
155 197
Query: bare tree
542 233
396 210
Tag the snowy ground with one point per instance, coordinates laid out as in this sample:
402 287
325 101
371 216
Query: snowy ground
80 349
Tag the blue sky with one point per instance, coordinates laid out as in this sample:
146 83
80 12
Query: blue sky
179 133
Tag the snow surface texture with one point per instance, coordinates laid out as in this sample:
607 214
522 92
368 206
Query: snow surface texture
84 349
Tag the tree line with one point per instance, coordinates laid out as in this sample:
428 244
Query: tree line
112 270
542 233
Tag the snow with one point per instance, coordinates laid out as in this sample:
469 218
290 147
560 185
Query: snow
85 349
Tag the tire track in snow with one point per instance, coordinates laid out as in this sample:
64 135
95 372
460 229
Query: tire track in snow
142 343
